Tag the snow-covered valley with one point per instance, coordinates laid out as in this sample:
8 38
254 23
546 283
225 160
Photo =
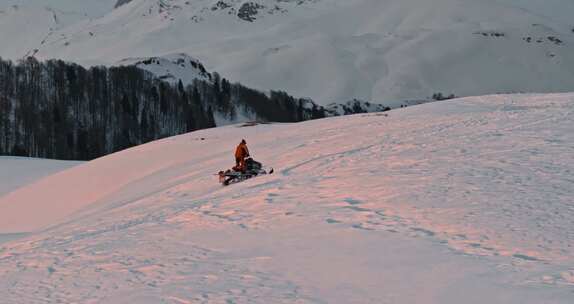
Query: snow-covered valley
459 201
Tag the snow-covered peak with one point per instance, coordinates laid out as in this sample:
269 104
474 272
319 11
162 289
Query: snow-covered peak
171 68
201 10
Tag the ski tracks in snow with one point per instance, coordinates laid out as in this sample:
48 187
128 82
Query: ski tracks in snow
97 261
496 183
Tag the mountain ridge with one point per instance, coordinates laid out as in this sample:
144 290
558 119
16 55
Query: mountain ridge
335 51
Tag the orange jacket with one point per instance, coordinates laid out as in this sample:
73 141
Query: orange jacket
241 152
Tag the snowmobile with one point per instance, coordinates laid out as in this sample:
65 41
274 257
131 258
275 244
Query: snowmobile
234 175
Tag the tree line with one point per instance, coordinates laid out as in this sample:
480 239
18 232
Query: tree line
61 110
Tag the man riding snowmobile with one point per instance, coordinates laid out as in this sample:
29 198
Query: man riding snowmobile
245 167
241 152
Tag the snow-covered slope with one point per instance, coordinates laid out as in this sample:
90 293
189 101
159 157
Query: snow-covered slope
86 8
20 171
336 50
460 201
26 25
171 68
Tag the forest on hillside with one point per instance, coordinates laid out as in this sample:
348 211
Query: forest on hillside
61 110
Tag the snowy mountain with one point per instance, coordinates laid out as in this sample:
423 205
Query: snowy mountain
26 25
174 68
171 68
330 50
458 201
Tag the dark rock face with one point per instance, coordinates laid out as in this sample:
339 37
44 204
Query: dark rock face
491 34
220 5
248 11
354 106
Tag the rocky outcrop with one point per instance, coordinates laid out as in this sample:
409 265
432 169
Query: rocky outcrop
122 2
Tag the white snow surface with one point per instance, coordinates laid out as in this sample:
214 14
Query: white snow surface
26 25
87 8
384 51
460 201
17 172
21 171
